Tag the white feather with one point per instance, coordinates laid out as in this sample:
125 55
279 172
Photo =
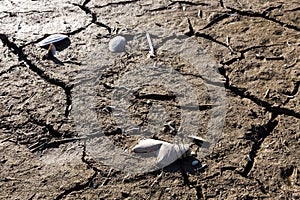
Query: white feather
166 153
147 145
169 153
52 39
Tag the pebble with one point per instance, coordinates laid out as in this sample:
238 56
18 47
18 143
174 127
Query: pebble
195 162
117 44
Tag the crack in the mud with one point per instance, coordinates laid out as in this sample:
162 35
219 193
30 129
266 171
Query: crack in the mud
221 3
227 168
261 186
84 160
216 20
77 187
260 134
199 192
190 3
180 2
293 10
52 131
210 176
22 57
94 16
264 16
116 3
86 2
242 52
191 29
243 93
12 14
48 142
159 97
271 8
295 90
208 37
78 30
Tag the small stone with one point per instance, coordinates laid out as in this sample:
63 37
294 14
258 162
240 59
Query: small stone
195 162
117 44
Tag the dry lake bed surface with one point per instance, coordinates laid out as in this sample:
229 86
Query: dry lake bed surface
247 50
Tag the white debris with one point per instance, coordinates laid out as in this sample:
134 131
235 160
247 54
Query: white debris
151 51
200 141
165 152
117 44
147 145
169 153
52 39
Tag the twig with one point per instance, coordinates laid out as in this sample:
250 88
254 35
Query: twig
107 177
267 94
152 53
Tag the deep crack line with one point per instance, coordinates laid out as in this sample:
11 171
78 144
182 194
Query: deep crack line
208 37
264 16
84 160
77 187
22 57
190 3
263 132
50 128
215 21
242 52
185 177
94 16
116 3
243 93
166 7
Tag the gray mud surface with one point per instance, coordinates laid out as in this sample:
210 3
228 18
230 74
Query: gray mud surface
254 44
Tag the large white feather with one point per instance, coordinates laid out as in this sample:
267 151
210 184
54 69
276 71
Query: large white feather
165 152
147 146
169 153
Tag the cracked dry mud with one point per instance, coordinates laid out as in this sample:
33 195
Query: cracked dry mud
255 45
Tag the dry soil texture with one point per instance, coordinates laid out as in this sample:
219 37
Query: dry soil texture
253 45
